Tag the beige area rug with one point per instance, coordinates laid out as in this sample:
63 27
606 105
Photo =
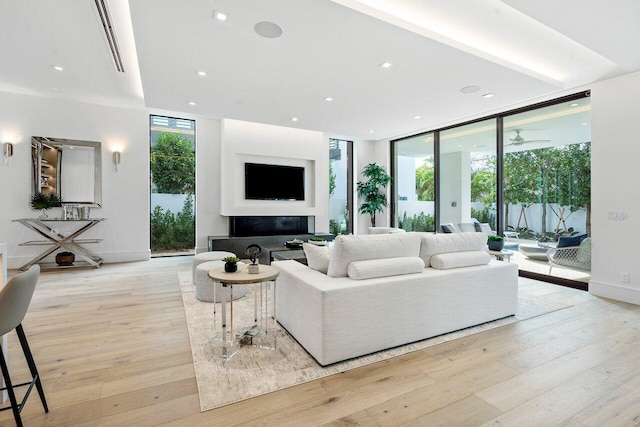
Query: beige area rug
254 371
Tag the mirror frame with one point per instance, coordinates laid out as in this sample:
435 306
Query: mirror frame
38 141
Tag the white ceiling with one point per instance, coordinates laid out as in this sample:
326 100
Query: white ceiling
519 50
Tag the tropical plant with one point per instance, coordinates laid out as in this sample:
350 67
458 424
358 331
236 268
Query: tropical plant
425 181
171 232
173 164
332 179
495 238
372 190
44 201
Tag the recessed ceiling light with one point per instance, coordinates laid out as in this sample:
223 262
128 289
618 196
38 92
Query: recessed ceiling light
328 99
584 124
385 64
294 119
268 30
417 117
489 95
470 89
220 16
201 73
57 67
370 130
575 104
192 103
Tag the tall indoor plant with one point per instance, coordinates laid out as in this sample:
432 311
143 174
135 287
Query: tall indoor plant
372 190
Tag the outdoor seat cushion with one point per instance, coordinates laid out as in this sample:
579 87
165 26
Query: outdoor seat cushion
568 241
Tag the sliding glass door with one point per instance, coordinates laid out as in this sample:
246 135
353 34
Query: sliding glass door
547 188
468 175
524 174
414 189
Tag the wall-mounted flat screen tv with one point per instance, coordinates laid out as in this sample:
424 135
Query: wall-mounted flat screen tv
273 182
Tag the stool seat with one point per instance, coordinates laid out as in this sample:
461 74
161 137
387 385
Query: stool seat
15 298
207 256
205 286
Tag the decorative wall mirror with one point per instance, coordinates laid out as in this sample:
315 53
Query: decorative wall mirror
70 168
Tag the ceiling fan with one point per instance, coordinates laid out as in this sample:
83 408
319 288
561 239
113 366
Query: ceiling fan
519 140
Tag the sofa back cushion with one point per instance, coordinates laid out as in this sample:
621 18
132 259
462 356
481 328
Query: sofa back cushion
347 249
459 259
434 244
317 257
372 268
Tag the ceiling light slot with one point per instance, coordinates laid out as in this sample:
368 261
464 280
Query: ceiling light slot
109 32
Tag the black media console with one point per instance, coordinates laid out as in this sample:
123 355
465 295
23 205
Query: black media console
270 232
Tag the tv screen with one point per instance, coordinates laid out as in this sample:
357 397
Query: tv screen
273 182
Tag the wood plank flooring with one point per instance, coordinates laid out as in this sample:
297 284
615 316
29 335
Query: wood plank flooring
112 348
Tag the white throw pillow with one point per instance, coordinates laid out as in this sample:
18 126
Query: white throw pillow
317 257
372 268
459 259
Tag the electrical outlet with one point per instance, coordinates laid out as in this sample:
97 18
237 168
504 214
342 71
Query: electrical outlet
624 277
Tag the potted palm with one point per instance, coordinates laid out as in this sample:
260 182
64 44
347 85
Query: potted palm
372 190
495 242
44 201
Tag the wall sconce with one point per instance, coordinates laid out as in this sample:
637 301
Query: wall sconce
8 152
116 159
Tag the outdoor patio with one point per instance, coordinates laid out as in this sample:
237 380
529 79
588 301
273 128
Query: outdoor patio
541 267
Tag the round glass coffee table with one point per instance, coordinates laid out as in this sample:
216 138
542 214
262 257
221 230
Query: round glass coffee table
265 276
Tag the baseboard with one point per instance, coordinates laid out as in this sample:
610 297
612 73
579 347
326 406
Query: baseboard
615 291
107 257
111 257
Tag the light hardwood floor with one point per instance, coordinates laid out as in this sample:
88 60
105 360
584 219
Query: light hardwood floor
112 348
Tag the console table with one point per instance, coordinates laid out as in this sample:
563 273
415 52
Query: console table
54 238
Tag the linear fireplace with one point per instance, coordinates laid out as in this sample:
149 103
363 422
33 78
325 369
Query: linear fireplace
244 226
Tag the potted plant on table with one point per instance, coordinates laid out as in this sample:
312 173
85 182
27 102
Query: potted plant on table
44 201
230 264
372 190
495 242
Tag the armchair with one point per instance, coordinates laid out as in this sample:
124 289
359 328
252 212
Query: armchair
572 257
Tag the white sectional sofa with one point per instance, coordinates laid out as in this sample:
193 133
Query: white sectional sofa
382 291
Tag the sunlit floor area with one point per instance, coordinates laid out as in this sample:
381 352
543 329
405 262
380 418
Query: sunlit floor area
539 266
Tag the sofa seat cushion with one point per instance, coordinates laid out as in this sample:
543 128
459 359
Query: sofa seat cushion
347 249
459 259
317 257
434 244
386 267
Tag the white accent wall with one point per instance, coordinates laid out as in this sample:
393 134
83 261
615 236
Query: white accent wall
246 142
124 193
615 176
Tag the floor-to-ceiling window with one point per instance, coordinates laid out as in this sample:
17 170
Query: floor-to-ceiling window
468 175
340 186
547 187
172 182
525 174
414 183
